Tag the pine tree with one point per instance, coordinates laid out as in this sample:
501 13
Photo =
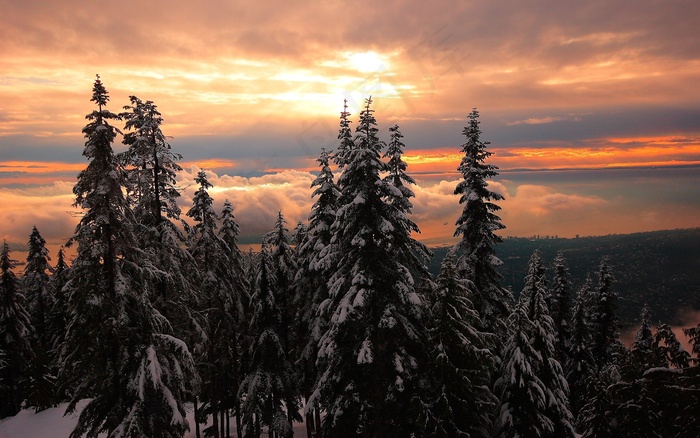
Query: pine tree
606 325
644 348
346 144
58 320
118 351
229 233
462 362
561 307
311 281
37 287
221 305
271 378
595 420
15 338
400 196
477 228
532 389
580 364
373 347
669 348
151 170
284 268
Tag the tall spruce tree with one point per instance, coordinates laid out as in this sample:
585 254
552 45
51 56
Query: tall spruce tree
346 144
284 266
221 304
532 389
606 331
270 380
477 227
118 351
416 254
311 281
462 362
561 306
15 338
38 289
151 170
373 348
580 364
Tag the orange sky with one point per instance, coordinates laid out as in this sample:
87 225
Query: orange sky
252 91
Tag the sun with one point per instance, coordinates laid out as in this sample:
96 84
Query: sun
367 62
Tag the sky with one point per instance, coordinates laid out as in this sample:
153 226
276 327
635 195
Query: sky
592 108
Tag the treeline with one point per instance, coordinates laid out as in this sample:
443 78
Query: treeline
337 320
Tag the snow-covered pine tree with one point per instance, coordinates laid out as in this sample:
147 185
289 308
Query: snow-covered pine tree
373 349
151 166
477 228
580 364
58 320
669 348
118 351
346 145
284 266
151 170
37 288
532 389
417 254
595 419
311 281
270 380
15 337
221 306
462 402
693 334
644 349
606 332
229 232
561 306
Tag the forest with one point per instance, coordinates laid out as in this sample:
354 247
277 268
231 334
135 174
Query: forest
338 321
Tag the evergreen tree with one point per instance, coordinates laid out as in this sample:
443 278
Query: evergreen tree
271 378
221 297
284 268
644 348
580 363
561 306
118 351
373 348
151 170
669 348
346 144
151 165
477 228
15 338
311 281
400 196
58 321
595 420
606 330
229 233
693 334
462 362
532 390
37 287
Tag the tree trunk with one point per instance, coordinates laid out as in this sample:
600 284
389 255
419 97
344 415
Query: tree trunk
317 419
239 432
196 419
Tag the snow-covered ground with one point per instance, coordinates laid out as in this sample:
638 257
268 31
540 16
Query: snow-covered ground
52 424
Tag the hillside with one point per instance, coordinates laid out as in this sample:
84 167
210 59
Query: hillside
661 268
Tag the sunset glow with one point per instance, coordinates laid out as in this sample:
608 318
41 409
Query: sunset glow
252 93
